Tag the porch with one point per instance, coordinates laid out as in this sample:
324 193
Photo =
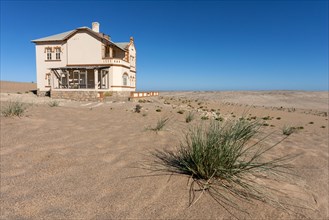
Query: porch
80 78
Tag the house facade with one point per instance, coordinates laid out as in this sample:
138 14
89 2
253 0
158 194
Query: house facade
85 64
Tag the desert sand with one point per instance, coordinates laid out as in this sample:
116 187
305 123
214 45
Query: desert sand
83 160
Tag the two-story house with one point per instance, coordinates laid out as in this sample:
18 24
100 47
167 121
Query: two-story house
84 63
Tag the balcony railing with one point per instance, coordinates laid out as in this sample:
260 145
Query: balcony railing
115 61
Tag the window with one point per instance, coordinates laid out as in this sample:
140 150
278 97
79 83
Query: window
107 51
125 79
48 51
58 53
48 79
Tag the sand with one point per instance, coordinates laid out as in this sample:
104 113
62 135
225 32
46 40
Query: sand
82 160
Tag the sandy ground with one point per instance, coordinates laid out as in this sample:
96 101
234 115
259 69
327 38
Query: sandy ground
82 160
17 87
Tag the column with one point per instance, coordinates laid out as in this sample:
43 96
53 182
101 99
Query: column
96 78
52 79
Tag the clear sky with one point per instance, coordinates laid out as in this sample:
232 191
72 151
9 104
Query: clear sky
181 45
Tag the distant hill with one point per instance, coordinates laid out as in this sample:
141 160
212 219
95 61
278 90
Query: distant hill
14 87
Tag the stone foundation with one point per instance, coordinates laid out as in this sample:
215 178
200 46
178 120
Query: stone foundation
43 93
89 95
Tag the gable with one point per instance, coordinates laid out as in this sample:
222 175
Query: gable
84 48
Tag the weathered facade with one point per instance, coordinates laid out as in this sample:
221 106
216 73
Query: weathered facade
85 64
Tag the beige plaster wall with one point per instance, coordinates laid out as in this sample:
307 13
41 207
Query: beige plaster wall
43 65
83 48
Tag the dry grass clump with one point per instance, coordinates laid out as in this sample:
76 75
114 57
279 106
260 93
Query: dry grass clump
220 160
160 125
53 103
14 108
189 117
288 130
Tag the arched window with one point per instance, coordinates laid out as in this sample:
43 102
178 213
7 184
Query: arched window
125 79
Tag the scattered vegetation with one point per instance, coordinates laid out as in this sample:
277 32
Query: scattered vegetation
219 119
53 103
189 117
288 130
266 118
160 125
220 160
138 108
204 117
14 108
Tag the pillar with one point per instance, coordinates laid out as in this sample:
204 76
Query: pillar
96 78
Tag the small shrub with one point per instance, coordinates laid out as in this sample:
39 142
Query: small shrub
138 108
218 160
144 114
53 103
180 112
278 118
311 122
266 118
14 108
219 119
204 117
288 130
160 124
158 110
189 117
323 126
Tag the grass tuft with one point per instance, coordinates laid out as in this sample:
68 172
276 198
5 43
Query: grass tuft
221 160
53 103
14 108
189 117
288 130
160 125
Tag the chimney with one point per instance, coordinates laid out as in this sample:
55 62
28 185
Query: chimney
95 27
131 39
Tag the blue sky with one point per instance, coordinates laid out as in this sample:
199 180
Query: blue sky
182 45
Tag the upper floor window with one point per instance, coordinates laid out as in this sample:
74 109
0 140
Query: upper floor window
107 51
48 51
58 53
